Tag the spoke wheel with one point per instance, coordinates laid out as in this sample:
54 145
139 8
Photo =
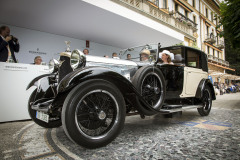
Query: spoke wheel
151 89
206 102
96 113
150 83
93 113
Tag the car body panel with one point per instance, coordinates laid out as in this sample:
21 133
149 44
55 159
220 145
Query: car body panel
124 67
98 72
201 86
174 76
193 77
32 83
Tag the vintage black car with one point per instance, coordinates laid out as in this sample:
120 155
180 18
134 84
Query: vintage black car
90 96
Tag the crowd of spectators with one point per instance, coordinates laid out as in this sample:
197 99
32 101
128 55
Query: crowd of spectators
223 88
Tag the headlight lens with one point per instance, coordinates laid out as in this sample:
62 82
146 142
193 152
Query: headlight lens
53 65
77 59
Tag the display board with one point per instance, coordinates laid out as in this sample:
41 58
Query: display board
13 94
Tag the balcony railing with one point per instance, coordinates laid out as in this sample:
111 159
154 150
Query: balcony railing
210 38
179 16
151 9
220 44
156 2
218 60
210 57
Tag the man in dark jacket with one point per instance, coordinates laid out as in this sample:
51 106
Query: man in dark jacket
8 45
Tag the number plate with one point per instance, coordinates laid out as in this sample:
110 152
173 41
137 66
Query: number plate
42 116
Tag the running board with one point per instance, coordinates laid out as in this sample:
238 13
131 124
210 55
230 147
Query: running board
175 108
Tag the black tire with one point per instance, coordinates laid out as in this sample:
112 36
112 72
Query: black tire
32 113
206 101
150 83
93 113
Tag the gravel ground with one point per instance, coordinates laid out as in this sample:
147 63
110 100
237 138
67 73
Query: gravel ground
188 137
176 138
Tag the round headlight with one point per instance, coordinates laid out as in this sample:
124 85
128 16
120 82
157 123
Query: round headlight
78 59
53 65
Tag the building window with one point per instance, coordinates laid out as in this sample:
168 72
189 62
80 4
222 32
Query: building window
208 49
194 19
214 52
193 3
207 30
186 13
156 2
212 33
206 12
164 3
176 7
212 16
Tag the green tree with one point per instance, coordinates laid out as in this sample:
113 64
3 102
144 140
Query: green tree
233 57
230 19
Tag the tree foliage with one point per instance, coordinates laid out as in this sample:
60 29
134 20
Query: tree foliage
230 19
233 57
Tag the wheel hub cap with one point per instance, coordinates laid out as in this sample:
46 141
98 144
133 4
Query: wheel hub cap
101 115
156 90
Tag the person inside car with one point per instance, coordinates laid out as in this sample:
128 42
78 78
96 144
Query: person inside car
144 55
129 57
115 56
166 57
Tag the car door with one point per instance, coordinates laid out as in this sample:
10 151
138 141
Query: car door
173 75
193 72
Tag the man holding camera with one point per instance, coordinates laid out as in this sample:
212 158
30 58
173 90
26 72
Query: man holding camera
8 45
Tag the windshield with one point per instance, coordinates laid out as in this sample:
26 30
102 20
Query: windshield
145 53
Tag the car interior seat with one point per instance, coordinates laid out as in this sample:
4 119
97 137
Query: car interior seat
178 60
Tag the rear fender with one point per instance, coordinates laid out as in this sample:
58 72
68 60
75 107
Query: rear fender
201 87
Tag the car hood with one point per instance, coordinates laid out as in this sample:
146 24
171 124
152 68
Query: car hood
124 67
109 61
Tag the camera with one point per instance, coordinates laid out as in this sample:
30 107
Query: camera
14 38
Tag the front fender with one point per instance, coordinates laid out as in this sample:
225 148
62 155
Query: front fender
80 75
201 86
36 79
88 73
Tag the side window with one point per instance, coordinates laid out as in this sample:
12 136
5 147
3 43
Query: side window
193 59
178 56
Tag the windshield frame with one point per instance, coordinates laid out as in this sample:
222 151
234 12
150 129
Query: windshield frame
135 51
